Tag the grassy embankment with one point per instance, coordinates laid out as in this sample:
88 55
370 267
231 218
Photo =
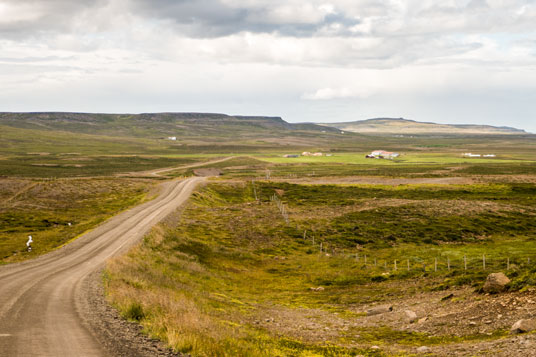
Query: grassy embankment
231 277
44 208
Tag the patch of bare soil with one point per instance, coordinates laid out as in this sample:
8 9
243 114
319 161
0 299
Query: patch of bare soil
431 207
466 314
373 180
505 178
206 172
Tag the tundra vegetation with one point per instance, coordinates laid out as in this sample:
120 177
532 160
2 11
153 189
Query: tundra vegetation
228 275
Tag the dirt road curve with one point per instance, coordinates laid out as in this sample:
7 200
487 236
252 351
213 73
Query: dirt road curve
42 301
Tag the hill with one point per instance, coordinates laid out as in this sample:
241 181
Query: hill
155 125
406 126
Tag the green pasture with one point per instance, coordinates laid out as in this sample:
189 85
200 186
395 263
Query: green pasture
358 158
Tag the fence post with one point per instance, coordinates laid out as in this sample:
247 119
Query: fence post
320 247
484 261
408 264
395 266
365 260
375 262
507 263
435 264
465 262
448 263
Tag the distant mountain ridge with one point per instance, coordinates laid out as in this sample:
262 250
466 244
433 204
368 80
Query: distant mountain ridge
407 126
156 124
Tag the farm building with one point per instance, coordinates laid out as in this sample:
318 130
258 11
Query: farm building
172 138
382 154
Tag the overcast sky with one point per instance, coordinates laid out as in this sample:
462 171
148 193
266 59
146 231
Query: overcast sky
451 61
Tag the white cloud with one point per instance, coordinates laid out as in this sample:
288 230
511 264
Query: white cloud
336 93
282 56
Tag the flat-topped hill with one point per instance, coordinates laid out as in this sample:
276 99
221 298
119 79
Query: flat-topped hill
406 126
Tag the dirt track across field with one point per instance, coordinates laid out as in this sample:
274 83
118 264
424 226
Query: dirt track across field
44 307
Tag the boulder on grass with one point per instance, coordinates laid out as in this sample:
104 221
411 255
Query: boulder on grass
411 316
496 283
522 326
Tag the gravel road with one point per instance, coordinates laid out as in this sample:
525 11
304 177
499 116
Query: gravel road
47 305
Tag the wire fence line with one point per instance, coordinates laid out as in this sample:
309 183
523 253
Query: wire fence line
444 261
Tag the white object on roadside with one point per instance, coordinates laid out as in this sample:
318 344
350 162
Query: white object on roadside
30 241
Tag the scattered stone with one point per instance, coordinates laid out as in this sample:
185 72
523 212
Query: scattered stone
375 348
472 323
423 349
448 297
526 325
496 283
320 288
422 319
411 315
379 310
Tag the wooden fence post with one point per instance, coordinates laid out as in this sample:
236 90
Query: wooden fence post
408 264
465 262
435 264
448 263
484 261
395 266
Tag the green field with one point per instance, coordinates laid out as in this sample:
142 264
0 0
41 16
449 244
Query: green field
232 275
232 260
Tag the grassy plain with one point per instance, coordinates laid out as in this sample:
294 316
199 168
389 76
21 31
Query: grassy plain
44 208
231 277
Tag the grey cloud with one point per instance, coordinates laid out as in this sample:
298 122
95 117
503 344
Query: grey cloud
212 18
43 16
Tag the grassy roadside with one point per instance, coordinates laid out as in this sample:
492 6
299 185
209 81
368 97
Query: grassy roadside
230 277
56 211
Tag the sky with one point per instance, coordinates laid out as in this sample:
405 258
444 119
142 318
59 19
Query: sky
450 61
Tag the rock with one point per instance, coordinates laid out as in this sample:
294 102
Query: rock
448 297
522 326
320 288
375 348
496 283
411 315
379 310
423 349
422 319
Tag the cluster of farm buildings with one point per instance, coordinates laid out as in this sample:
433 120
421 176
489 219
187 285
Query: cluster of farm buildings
382 154
307 153
468 154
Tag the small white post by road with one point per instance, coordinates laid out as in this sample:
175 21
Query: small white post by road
29 243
